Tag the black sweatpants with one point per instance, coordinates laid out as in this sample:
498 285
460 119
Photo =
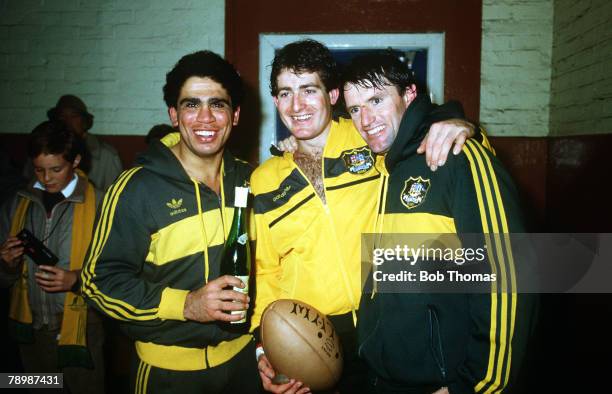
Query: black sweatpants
238 375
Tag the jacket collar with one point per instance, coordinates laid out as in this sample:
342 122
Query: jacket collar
159 159
417 119
411 131
66 191
77 196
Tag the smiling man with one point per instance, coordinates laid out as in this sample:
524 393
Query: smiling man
154 262
311 206
424 343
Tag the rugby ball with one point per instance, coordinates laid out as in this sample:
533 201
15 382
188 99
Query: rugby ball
301 343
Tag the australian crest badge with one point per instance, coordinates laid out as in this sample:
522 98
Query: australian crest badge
358 161
414 192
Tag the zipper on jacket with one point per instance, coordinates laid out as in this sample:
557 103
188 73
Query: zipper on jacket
200 210
206 357
381 207
221 199
43 294
345 278
222 214
330 221
46 308
347 282
434 332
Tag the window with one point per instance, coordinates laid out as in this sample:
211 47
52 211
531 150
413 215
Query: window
424 52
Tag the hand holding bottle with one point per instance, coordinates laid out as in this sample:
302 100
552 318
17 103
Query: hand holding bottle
214 301
236 259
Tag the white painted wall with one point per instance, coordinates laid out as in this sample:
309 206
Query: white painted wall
581 93
114 54
515 68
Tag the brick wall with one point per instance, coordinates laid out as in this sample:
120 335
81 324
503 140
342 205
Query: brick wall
112 53
515 66
581 94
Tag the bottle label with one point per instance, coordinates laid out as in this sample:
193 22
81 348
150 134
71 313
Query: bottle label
245 290
241 195
243 239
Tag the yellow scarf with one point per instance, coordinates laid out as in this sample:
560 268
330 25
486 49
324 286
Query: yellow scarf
72 349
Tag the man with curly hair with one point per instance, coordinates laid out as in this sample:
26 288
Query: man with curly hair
154 261
312 206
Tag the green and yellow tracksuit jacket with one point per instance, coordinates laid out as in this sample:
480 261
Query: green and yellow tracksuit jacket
158 235
468 342
308 250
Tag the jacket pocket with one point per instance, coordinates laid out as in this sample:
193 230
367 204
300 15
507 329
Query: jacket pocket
396 340
435 341
368 322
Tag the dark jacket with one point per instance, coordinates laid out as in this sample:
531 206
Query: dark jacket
468 342
158 235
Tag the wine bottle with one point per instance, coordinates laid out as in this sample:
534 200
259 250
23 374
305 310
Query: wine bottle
237 253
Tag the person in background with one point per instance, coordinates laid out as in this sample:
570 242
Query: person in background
48 316
101 161
10 178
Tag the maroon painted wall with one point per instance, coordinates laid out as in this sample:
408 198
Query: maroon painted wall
563 180
460 20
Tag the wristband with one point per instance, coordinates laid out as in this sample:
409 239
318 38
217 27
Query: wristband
259 351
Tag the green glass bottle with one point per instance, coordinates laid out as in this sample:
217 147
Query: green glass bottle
237 252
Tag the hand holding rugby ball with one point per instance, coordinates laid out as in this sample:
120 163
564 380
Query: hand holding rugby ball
301 343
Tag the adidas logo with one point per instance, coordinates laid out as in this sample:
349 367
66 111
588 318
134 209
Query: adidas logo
176 205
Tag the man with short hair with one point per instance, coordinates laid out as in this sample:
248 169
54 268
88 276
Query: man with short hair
48 318
424 343
102 162
311 206
154 261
